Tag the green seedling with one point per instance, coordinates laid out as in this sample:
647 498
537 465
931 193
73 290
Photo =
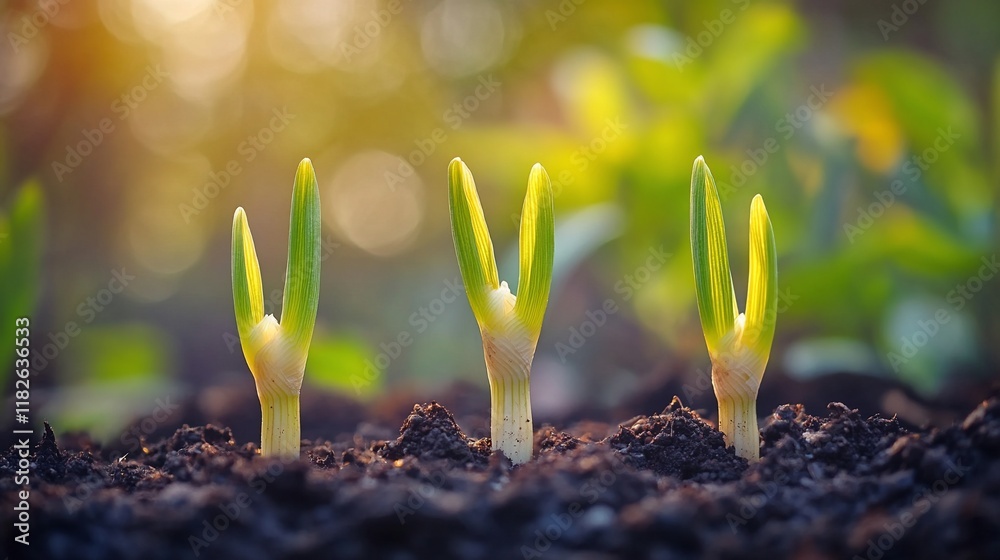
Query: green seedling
738 343
509 324
276 352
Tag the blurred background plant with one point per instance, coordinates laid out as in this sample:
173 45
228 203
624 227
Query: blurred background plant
870 128
22 233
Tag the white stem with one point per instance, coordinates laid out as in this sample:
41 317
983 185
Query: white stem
280 432
278 368
738 422
736 390
508 366
736 374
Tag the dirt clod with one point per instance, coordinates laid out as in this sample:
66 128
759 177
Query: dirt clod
431 433
678 443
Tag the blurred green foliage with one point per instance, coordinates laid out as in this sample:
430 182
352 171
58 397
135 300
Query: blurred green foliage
22 234
335 360
120 373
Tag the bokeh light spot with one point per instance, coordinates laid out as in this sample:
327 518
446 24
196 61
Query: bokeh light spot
461 37
376 201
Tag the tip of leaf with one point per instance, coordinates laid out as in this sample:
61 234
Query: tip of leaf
538 174
305 170
459 175
458 171
702 181
758 209
239 214
700 168
457 168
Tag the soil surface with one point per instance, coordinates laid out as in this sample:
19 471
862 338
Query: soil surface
835 485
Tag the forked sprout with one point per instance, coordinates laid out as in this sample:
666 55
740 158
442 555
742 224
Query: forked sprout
738 343
276 352
509 324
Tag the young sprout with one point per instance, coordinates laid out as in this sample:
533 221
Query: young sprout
738 343
509 324
276 352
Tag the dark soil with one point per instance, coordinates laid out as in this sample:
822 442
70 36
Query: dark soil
663 486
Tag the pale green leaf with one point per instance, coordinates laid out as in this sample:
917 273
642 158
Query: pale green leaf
537 249
248 294
762 290
713 281
472 239
301 297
